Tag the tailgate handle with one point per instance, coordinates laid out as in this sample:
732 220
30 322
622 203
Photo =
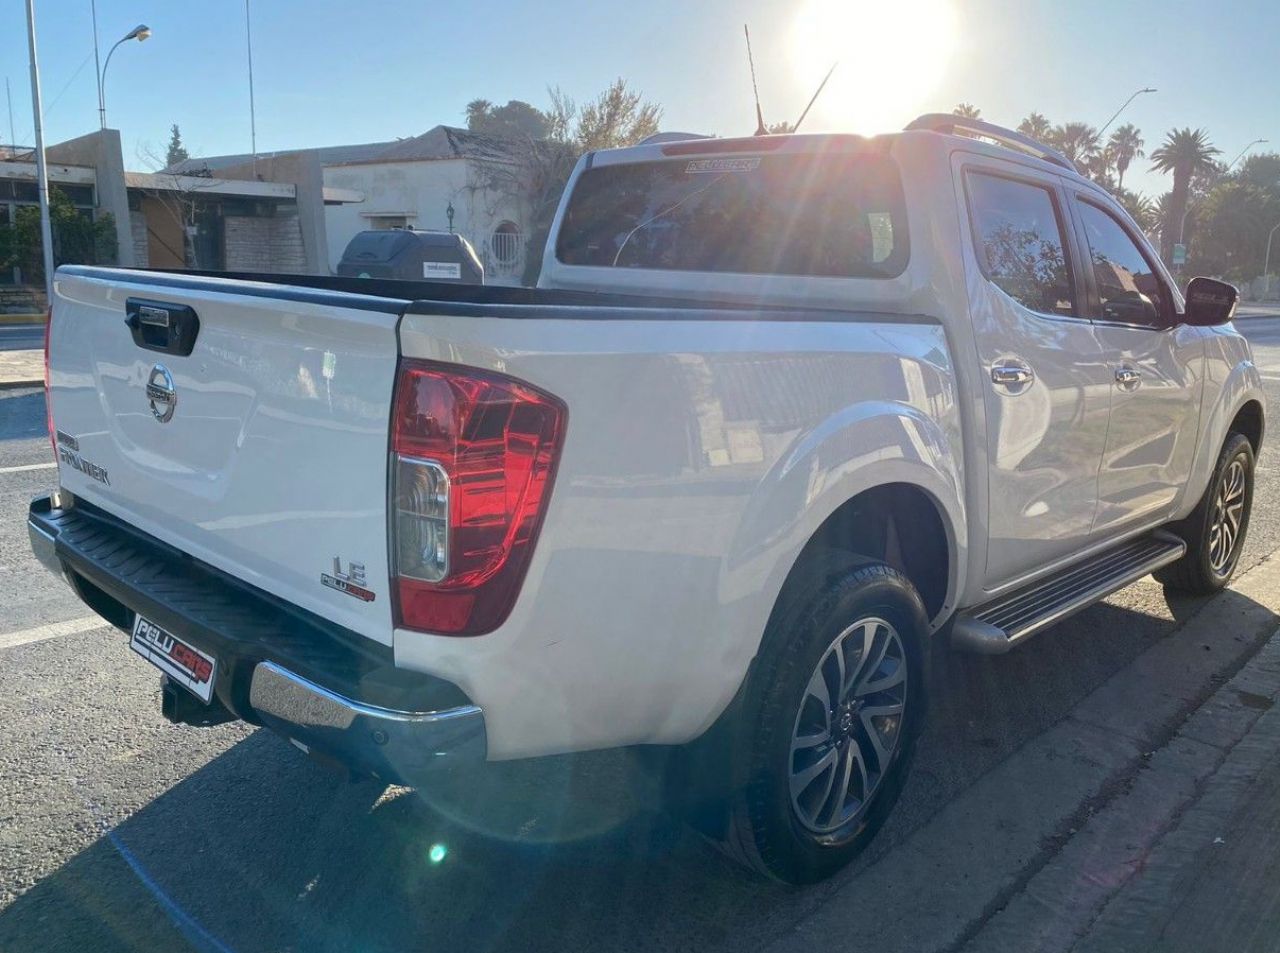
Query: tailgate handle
162 326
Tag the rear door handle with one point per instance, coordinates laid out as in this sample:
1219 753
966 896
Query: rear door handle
1011 374
1127 378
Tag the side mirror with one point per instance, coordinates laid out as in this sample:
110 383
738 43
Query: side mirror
1210 302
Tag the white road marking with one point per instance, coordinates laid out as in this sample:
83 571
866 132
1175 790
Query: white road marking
29 466
52 631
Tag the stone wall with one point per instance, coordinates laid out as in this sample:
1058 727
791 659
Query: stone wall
138 229
270 244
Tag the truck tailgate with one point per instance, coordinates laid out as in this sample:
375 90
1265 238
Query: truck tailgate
263 452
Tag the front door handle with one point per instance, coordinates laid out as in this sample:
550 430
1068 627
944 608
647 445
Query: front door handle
1011 374
1127 378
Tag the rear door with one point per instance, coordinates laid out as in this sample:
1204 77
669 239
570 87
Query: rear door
262 452
1046 385
1156 371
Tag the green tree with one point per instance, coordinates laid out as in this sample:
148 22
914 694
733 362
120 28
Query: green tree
516 120
77 238
1186 153
967 110
780 128
535 173
1037 127
1125 145
1078 141
176 152
617 117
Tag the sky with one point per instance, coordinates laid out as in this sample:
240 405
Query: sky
329 72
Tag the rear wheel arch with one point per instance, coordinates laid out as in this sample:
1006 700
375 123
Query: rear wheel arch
899 524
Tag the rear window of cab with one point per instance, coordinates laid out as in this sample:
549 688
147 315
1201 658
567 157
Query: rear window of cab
821 215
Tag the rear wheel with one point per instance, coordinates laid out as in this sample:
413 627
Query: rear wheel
1215 530
832 711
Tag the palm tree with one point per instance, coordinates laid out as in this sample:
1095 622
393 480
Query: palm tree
1036 126
1139 207
1125 145
1078 141
1186 153
967 111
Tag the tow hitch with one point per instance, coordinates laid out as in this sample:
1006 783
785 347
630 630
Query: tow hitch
182 708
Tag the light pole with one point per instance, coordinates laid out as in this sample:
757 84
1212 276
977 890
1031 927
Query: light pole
1233 162
1107 124
1183 226
1266 267
42 173
140 33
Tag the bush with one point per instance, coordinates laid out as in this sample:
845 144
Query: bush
77 238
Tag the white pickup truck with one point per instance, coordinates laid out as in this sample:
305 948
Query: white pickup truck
782 412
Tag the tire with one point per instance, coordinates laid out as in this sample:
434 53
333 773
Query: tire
1215 531
871 620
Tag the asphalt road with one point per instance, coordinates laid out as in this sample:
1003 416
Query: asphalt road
21 337
121 832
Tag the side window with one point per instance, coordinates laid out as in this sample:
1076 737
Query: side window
1130 290
1021 242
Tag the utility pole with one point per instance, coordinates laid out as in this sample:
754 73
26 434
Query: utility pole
253 122
97 66
42 172
9 96
1266 268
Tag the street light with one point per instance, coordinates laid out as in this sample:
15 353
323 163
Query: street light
140 33
1107 124
1183 226
1233 162
1266 267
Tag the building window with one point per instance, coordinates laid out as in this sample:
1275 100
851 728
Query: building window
505 244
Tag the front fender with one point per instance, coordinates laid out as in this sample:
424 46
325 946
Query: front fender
1231 381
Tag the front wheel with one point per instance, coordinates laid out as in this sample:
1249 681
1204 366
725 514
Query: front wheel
834 707
1216 528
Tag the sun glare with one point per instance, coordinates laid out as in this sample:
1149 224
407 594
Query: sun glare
892 57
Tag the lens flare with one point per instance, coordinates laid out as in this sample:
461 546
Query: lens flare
892 57
437 853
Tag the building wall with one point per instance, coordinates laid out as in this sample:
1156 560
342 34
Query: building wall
301 170
271 244
102 151
138 231
422 190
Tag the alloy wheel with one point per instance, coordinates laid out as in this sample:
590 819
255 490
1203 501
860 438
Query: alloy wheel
849 726
1227 515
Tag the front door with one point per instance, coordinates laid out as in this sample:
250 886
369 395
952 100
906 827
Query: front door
1046 384
1156 366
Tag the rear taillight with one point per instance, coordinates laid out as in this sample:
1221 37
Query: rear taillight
473 458
48 404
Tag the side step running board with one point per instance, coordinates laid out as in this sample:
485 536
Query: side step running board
999 625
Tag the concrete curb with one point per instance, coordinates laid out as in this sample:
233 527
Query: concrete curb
980 853
21 382
1119 860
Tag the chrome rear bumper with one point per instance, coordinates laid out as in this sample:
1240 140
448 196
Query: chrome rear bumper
398 745
333 693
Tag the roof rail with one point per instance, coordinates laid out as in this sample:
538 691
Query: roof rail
951 123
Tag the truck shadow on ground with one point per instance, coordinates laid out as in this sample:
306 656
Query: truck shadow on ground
263 850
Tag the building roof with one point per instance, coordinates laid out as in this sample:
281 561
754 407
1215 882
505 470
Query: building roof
441 142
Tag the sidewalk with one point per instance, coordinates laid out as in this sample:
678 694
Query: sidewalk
1186 859
21 369
1212 883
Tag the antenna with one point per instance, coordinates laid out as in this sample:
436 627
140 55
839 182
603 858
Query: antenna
760 129
821 87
